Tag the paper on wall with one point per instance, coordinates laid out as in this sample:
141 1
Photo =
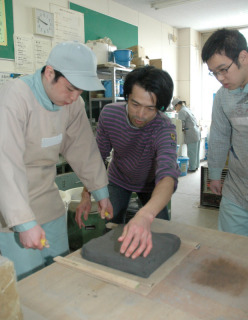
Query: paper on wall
24 53
42 48
5 77
31 52
68 25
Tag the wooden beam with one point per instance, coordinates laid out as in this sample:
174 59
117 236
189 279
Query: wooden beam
97 273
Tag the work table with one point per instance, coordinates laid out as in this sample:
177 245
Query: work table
206 279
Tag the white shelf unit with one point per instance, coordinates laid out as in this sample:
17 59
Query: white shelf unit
108 73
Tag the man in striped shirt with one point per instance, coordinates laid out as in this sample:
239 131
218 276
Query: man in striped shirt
144 159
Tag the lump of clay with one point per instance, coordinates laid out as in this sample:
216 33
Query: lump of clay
105 250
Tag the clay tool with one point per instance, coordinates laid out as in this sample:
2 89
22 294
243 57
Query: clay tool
106 214
44 243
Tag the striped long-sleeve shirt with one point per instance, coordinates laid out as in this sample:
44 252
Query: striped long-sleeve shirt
141 156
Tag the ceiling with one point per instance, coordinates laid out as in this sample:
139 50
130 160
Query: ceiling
201 15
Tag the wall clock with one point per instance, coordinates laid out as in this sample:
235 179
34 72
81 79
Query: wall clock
43 22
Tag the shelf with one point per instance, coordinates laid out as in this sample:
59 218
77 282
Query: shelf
107 99
108 73
101 68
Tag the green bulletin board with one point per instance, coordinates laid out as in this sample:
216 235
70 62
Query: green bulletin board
7 51
98 25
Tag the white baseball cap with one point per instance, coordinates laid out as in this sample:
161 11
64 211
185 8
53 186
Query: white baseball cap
175 101
77 63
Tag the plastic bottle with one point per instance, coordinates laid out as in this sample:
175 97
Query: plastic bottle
206 148
121 87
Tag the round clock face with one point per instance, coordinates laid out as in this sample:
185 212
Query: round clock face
43 22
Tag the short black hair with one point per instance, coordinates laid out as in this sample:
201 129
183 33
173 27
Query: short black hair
152 80
181 102
57 74
229 42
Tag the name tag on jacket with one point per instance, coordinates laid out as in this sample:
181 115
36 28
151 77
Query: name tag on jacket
49 142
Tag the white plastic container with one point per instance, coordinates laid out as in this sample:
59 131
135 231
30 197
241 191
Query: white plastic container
66 198
94 225
75 197
101 51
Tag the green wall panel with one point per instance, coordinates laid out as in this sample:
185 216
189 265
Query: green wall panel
98 25
7 52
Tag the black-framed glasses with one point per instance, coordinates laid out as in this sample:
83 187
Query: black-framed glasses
221 72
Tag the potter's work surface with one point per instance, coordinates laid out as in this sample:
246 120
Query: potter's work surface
208 276
105 250
190 285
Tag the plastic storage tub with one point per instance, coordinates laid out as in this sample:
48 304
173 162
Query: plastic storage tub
183 163
123 57
94 226
108 88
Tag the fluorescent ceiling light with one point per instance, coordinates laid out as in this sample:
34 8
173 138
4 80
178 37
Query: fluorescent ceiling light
169 3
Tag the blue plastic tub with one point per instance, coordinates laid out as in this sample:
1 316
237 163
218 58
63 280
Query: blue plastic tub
108 88
183 163
123 57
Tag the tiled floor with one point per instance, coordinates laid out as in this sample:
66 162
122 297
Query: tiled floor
185 204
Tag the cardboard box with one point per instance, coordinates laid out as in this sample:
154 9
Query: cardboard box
140 62
10 307
138 51
156 63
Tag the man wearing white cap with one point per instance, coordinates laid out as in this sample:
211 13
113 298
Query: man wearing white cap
41 116
192 133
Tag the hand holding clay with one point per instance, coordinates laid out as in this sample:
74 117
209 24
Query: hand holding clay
105 250
136 237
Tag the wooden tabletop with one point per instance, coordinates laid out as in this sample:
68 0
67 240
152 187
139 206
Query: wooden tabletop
206 279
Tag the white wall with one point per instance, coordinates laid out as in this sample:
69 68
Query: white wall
23 23
152 35
195 73
189 69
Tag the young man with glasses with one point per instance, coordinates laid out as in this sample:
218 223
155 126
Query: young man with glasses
226 55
